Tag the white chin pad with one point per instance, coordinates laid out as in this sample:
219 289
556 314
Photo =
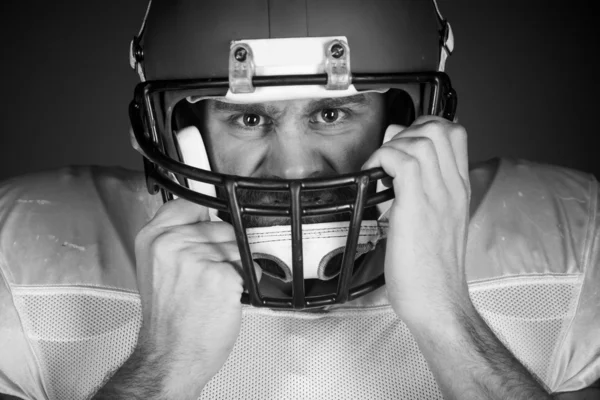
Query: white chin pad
320 243
193 153
391 131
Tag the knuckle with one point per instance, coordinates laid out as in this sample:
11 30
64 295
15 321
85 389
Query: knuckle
166 209
221 273
385 150
142 236
423 146
423 119
210 231
434 126
148 231
227 229
410 163
458 133
147 237
189 257
397 136
221 252
162 243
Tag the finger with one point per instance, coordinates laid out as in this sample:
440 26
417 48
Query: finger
257 270
439 130
212 252
457 136
459 142
225 252
219 275
391 131
241 274
204 232
403 168
423 150
180 212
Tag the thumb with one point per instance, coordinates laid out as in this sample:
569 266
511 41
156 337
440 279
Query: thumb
180 212
240 268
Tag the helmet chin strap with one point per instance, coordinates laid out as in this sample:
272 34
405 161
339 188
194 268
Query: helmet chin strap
320 242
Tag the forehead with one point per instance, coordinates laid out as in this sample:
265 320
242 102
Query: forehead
364 100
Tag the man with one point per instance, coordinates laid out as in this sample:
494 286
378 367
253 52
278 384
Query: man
276 160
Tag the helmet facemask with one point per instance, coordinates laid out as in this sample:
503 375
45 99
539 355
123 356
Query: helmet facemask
164 114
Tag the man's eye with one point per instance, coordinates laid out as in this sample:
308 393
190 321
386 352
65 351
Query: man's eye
251 120
329 115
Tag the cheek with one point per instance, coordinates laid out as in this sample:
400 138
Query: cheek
350 153
225 154
234 158
363 150
367 138
365 141
231 156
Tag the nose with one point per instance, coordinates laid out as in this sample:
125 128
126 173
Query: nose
294 157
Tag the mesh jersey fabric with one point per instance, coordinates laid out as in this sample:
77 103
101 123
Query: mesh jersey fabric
70 312
362 353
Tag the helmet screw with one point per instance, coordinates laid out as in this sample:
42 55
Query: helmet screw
240 54
337 50
138 54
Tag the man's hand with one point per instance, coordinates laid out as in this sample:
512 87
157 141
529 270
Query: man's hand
424 268
425 264
190 284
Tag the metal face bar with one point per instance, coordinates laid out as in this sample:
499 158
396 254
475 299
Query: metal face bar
435 98
450 106
352 240
181 191
277 302
284 80
297 255
367 287
222 84
243 245
384 195
160 179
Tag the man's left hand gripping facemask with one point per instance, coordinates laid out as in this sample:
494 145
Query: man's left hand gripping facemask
320 242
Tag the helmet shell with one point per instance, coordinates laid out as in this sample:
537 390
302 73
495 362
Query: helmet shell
187 39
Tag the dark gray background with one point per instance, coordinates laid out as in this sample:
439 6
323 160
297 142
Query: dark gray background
524 72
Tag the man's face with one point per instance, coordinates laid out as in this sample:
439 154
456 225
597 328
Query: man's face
293 139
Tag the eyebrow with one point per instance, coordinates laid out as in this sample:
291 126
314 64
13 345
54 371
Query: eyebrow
241 108
336 102
267 109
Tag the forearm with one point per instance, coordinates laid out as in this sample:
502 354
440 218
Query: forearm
136 379
154 374
469 362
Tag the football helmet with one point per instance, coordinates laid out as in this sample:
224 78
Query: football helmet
248 51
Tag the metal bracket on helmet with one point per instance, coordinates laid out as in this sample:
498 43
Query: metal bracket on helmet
136 57
337 66
241 69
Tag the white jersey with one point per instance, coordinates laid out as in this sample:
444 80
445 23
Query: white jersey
70 311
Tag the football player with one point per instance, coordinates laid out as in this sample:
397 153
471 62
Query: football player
307 227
